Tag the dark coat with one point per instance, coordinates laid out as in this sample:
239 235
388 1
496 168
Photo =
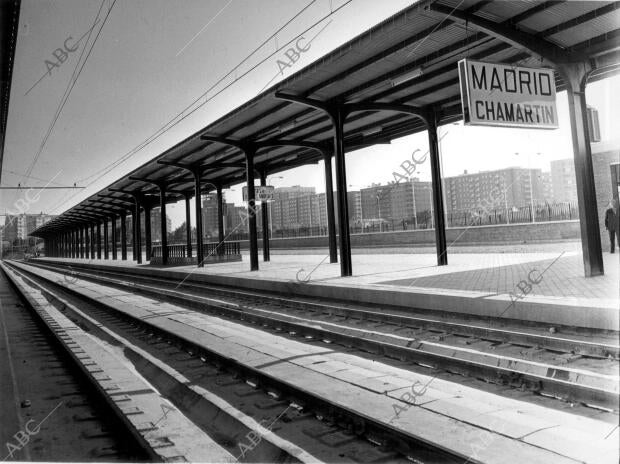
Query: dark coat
610 219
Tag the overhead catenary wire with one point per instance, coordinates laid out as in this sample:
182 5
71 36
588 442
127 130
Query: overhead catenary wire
72 81
165 127
170 124
22 175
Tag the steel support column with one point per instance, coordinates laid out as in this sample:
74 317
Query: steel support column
575 67
148 242
113 225
196 170
134 255
198 197
576 76
124 236
265 218
81 242
220 220
249 171
137 244
346 268
98 240
249 150
92 241
331 214
106 241
86 242
164 231
337 112
438 206
188 226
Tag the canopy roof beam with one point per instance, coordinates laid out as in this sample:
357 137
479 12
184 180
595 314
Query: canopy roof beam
537 46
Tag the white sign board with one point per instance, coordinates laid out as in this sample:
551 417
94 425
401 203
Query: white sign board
262 193
501 95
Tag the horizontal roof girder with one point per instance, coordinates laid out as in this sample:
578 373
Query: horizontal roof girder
547 51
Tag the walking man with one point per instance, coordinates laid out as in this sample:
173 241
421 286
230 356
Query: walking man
611 223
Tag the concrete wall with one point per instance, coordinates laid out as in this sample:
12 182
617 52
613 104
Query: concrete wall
479 235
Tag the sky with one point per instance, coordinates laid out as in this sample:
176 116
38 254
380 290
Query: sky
153 59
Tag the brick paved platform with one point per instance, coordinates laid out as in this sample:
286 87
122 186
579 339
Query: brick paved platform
484 281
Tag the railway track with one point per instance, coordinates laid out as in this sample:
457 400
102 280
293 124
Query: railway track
61 418
315 425
301 422
571 365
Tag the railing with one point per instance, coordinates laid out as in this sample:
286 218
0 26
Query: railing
209 249
424 220
226 248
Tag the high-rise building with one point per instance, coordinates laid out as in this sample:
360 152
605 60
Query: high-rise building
294 207
377 201
322 205
494 189
563 181
234 218
547 186
10 228
22 225
354 203
396 201
209 214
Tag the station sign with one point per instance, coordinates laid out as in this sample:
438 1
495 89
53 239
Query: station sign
494 94
262 193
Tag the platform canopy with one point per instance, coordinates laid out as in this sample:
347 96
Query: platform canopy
408 59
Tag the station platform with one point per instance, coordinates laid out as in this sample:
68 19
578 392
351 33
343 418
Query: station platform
487 281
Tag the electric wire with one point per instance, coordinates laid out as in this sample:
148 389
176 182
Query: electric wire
170 124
